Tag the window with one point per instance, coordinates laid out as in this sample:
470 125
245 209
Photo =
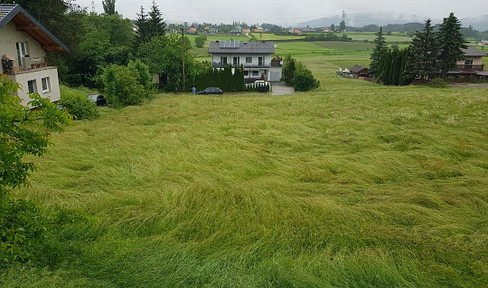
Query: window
46 85
468 62
248 59
260 61
235 61
223 60
32 85
22 52
255 73
246 73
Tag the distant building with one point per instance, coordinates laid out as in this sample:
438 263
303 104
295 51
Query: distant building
236 30
472 63
255 57
295 31
23 46
359 71
192 30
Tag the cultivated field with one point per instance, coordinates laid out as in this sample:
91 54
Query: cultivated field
351 185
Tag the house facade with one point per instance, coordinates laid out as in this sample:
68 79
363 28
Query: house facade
473 60
23 46
255 57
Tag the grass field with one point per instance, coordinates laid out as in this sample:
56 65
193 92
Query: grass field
350 185
370 36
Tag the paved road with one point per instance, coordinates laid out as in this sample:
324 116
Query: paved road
469 86
282 89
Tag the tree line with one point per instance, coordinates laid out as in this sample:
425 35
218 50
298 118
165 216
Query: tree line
432 53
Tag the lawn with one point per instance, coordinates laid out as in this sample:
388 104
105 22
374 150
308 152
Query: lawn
350 185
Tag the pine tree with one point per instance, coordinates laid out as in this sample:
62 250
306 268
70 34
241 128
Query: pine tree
451 41
109 7
142 27
423 54
377 52
156 25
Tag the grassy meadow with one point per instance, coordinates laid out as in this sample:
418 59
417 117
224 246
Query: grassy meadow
351 185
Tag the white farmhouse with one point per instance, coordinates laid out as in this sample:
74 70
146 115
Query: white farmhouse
255 57
23 46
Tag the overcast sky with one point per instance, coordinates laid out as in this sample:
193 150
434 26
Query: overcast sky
287 12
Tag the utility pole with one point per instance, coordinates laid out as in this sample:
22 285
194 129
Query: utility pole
183 55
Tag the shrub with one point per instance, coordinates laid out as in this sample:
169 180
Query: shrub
121 86
437 83
200 41
142 72
76 103
289 68
304 80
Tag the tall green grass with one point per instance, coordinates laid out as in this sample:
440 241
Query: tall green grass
351 185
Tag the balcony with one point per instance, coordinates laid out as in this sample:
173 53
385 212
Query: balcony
246 65
467 67
12 67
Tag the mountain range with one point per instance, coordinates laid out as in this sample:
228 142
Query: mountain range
362 19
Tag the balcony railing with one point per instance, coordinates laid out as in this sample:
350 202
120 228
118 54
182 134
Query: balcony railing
246 65
12 67
467 67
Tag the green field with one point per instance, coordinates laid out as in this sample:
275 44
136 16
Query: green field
370 36
350 185
273 37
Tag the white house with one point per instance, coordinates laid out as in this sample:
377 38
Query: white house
255 57
23 46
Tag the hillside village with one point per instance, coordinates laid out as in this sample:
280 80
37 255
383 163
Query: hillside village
144 153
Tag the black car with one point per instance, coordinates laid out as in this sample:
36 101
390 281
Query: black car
98 99
211 90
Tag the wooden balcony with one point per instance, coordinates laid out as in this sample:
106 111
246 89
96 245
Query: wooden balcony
466 67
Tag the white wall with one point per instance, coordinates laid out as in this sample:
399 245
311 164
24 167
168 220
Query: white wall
23 77
9 36
267 59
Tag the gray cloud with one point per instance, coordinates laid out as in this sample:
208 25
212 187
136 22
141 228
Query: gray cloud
290 12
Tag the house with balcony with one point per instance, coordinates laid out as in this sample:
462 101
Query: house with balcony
23 46
473 60
255 58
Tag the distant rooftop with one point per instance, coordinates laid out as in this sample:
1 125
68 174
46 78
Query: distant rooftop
473 52
237 47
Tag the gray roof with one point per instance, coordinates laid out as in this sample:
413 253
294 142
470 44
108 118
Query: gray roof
473 52
259 47
10 11
357 68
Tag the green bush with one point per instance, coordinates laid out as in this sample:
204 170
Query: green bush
200 41
121 86
142 71
21 232
437 83
76 103
304 80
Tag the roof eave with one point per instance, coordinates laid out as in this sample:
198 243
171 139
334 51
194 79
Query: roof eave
18 9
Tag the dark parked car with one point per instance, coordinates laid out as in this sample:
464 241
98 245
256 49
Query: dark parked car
98 99
211 90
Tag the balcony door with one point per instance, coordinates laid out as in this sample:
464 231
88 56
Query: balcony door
22 53
260 61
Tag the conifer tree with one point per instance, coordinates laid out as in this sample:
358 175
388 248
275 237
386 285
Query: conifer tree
109 7
142 27
380 47
424 50
156 25
451 41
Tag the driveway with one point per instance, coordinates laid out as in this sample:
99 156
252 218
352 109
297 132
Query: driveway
280 88
469 86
